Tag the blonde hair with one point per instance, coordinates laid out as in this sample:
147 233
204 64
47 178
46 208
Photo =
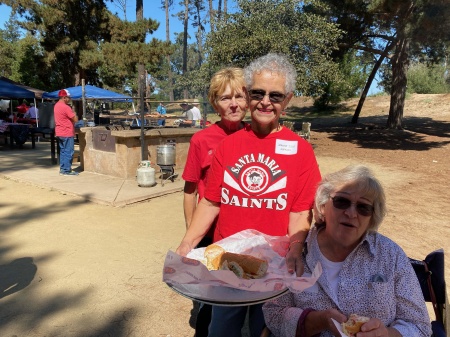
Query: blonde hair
234 77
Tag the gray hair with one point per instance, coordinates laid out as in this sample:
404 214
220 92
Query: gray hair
275 63
362 177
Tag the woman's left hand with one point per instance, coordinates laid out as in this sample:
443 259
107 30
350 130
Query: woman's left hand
375 328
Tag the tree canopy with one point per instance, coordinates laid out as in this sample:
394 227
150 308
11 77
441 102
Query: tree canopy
82 39
259 27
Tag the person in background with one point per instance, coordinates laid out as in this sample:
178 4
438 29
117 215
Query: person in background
187 115
65 120
32 112
161 110
226 95
196 114
282 197
364 272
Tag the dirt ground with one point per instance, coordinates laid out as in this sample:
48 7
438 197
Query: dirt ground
74 268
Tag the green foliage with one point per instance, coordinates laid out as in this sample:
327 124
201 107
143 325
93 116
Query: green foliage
30 68
7 56
195 80
126 49
423 79
353 72
68 32
8 47
278 26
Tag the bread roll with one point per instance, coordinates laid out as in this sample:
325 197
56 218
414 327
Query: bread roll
353 324
252 267
212 255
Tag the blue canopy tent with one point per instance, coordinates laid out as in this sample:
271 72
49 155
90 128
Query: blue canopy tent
9 90
37 92
91 93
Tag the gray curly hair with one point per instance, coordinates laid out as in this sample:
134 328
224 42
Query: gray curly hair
355 175
272 62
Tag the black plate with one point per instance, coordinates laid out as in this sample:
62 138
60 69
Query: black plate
224 296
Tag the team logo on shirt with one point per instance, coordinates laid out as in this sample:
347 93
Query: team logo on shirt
254 179
255 176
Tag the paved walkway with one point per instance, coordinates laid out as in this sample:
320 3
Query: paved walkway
34 166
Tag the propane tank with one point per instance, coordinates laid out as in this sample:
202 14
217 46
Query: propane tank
145 174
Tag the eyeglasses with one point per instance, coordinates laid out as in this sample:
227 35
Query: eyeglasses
344 203
274 97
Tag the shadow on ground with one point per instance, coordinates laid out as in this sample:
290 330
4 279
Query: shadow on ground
371 132
21 293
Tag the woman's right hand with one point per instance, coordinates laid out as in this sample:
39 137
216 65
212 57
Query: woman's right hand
184 248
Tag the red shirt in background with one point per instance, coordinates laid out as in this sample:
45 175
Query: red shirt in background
64 127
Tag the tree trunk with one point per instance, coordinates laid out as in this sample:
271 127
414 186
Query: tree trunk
169 71
211 15
219 10
141 67
399 82
199 34
185 38
369 83
139 10
224 7
148 90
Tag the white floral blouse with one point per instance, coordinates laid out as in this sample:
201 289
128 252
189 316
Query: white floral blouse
376 280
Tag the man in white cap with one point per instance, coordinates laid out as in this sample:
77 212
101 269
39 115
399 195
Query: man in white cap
65 120
187 115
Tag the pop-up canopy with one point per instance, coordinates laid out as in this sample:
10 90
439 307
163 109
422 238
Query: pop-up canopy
37 92
9 90
91 93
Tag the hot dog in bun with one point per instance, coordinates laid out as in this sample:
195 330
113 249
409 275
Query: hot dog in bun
244 266
353 324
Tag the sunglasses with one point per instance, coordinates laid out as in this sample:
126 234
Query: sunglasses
274 97
344 203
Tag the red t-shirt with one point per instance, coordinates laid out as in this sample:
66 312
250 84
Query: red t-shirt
260 180
64 127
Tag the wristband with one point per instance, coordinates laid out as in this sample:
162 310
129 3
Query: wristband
301 329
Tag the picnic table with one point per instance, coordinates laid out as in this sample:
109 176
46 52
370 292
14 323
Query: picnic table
18 132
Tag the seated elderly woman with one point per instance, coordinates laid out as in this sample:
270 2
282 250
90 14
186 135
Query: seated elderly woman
364 272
